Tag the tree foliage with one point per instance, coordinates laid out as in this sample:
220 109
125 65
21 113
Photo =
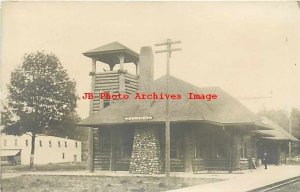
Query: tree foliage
41 95
68 128
282 118
42 98
295 115
279 116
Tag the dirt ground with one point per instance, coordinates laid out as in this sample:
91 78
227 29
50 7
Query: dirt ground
97 184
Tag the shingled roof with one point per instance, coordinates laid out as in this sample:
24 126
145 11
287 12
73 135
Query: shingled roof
224 110
277 132
108 53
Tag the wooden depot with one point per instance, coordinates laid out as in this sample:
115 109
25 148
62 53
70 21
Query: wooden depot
129 134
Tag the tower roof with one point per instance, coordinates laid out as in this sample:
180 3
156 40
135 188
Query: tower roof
109 53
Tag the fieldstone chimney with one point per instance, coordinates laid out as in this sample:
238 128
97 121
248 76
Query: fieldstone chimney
145 157
146 70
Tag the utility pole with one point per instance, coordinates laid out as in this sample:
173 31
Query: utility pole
169 51
290 132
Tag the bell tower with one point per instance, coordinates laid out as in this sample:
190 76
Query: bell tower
112 81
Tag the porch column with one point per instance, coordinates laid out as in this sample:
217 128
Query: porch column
278 153
112 160
90 163
188 150
235 157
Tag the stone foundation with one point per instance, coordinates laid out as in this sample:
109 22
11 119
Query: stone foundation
146 154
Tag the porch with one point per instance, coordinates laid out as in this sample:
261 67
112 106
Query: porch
194 148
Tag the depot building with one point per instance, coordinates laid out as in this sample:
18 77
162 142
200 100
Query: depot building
129 134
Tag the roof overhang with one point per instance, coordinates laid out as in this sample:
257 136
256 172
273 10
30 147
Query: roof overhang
240 125
9 152
111 57
279 139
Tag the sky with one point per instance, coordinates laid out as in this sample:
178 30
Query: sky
249 49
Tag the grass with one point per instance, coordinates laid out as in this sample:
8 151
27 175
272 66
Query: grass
31 183
48 167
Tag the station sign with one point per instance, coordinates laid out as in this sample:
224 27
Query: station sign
135 118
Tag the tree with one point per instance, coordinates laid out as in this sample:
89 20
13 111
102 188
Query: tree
41 97
68 128
279 116
295 121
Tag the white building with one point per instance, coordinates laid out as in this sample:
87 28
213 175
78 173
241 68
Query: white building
48 149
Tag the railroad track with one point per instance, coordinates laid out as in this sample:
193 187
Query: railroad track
277 185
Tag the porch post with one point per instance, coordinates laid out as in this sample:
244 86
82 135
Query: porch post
112 150
278 150
235 154
90 163
188 167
